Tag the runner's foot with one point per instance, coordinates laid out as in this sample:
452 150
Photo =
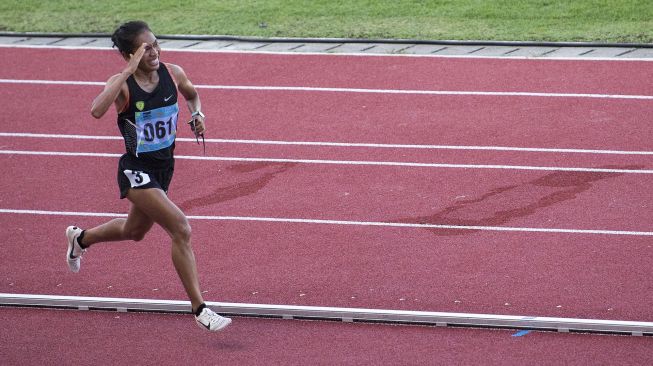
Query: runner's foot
75 251
208 319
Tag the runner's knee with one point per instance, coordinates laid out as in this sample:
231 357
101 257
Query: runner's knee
138 235
182 231
135 234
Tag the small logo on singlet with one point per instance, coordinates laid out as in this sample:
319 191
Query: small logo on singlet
140 105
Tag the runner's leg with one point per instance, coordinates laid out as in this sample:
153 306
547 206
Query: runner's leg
134 227
157 206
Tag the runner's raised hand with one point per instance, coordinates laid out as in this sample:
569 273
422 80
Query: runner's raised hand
135 59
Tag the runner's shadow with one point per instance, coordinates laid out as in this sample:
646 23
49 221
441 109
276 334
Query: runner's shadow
221 341
256 175
504 204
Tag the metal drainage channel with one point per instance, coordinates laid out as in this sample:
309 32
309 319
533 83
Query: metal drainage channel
635 328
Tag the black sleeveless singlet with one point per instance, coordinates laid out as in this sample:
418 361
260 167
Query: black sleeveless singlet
149 124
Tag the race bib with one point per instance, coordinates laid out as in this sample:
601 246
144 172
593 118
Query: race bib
156 128
136 177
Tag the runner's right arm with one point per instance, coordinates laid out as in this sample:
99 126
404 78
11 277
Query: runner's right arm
115 90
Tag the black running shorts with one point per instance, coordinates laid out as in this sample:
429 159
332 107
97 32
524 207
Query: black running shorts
133 174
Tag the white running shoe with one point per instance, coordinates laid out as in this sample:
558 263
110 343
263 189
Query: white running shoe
74 252
208 319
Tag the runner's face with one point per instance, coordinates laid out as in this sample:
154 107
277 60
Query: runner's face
150 60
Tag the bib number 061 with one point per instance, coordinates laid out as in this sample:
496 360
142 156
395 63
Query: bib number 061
158 129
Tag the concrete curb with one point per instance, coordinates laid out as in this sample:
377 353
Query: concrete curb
191 37
356 46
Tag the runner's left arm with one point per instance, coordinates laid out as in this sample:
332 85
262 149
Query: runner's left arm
187 89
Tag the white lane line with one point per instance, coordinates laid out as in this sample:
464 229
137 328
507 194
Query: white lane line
64 136
341 54
61 153
346 162
429 92
52 82
359 90
343 222
343 144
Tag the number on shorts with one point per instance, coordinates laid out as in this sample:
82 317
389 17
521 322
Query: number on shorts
137 178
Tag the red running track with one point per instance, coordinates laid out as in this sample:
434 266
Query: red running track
540 199
342 154
412 269
487 272
134 338
419 73
358 117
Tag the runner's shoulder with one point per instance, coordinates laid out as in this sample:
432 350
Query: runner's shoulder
114 77
177 71
174 67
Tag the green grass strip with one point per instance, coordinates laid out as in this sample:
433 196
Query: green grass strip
507 20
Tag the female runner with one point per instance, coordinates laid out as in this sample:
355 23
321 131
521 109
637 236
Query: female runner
145 96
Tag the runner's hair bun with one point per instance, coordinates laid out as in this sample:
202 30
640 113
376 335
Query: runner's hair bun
123 38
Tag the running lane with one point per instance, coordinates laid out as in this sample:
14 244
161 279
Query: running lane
541 274
579 123
341 155
378 72
540 199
